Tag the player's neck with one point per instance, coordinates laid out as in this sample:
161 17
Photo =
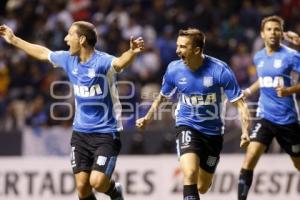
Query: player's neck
271 49
85 54
196 63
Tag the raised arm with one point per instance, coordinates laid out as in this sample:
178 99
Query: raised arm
34 50
245 121
142 122
292 37
252 89
136 46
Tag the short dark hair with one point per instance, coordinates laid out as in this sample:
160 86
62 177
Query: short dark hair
88 30
197 36
273 18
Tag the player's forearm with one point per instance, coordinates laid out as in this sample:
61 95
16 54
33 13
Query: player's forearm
34 50
253 88
293 89
244 115
154 107
124 60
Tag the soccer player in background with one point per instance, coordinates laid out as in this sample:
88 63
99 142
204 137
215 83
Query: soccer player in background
277 106
201 81
96 128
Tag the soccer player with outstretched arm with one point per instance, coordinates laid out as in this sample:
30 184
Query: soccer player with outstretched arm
95 139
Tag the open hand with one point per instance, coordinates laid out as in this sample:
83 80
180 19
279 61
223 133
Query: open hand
137 45
6 33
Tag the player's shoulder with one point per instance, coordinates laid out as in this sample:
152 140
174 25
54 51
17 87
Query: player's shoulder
288 51
215 61
175 65
101 54
61 53
216 65
259 54
101 59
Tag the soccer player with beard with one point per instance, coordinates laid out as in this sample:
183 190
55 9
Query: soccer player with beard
201 81
96 129
277 106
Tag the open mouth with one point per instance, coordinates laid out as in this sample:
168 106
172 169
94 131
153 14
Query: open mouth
184 59
181 56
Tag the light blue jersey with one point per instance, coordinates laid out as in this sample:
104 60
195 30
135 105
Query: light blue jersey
201 93
274 71
97 104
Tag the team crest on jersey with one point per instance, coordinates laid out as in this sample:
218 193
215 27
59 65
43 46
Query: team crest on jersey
277 63
182 80
75 71
208 81
91 73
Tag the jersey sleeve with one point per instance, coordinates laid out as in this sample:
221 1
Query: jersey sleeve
107 63
168 87
296 62
59 58
255 59
230 85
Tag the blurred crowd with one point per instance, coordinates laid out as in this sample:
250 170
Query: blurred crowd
26 85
